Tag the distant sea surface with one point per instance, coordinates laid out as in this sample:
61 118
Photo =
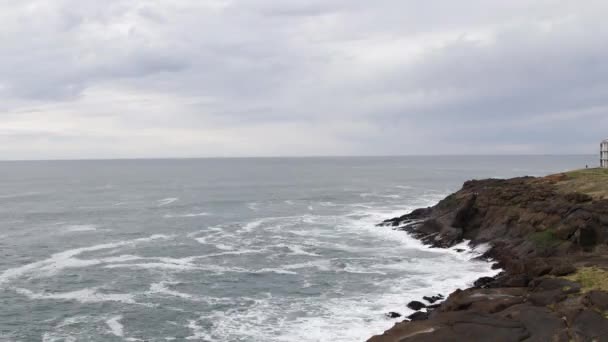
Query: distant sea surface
261 249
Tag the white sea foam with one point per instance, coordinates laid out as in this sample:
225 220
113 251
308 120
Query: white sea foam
295 249
20 194
156 265
248 227
321 265
66 259
186 215
274 270
166 201
198 332
116 328
88 295
161 288
379 195
80 228
405 187
53 337
224 247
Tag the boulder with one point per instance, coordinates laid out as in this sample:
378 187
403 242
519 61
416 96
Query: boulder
418 316
416 305
483 282
393 314
433 299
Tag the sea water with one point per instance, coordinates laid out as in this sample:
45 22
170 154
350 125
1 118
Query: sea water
259 249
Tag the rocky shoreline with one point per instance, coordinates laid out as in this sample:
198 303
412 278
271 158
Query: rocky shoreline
549 235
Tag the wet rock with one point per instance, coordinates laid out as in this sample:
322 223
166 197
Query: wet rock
433 299
416 305
418 316
483 282
393 314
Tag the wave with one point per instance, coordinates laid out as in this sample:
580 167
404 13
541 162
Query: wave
295 249
199 333
66 259
80 228
166 201
372 194
88 295
186 215
116 328
20 194
161 288
248 227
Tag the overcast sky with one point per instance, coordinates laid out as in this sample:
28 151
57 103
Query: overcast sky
179 78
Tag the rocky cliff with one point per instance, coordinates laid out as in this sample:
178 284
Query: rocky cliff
549 236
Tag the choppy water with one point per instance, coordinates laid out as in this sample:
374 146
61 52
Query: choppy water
226 249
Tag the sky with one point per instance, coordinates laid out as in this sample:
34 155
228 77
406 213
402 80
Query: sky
233 78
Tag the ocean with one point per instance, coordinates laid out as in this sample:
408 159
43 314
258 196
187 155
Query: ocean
251 249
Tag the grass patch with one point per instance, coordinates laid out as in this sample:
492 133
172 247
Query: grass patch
544 239
593 182
590 278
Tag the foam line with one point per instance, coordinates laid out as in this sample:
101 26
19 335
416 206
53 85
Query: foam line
166 201
116 328
66 259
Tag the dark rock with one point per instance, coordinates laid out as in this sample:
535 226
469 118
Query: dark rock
416 305
393 314
597 300
483 300
545 298
549 284
562 270
589 325
465 212
456 326
538 232
483 282
433 299
541 323
418 316
518 280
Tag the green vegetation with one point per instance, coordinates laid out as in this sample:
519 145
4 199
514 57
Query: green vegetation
544 239
590 278
593 182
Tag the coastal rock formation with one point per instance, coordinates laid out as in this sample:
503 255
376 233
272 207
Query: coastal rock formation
549 236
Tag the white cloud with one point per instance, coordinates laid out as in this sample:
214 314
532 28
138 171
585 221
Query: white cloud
86 79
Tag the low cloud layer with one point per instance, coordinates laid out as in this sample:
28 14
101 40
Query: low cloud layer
163 78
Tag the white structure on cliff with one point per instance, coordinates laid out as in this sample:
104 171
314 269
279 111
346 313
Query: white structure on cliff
604 154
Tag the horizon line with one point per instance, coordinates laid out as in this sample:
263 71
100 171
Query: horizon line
299 157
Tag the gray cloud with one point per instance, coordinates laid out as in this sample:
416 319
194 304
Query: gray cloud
268 77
